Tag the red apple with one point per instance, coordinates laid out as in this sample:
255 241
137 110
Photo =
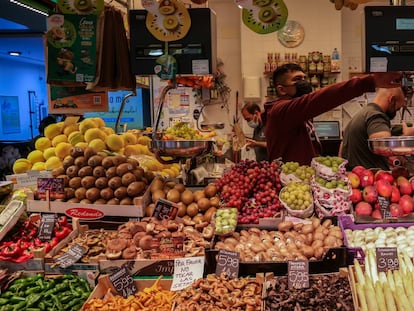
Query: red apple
404 185
363 208
407 204
395 195
356 196
396 210
384 175
366 178
358 170
397 171
354 179
412 183
377 214
369 194
384 188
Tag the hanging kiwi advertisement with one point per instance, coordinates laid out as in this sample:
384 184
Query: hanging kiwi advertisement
71 48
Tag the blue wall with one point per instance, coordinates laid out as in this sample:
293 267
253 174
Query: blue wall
18 79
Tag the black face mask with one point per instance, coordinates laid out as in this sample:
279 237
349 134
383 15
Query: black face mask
391 114
302 87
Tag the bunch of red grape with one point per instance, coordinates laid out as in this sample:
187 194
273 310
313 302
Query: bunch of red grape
252 187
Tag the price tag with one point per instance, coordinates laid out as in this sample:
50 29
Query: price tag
164 210
47 223
384 204
186 271
298 274
123 282
55 187
74 253
228 263
387 258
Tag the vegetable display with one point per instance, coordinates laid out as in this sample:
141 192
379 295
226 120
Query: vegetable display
66 292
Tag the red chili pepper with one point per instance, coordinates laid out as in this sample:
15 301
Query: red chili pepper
12 250
62 221
23 258
62 232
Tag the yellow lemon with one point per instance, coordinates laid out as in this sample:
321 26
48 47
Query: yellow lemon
86 124
35 156
71 128
144 140
97 144
21 166
99 121
52 130
82 145
42 143
129 138
53 162
62 138
49 152
39 166
108 130
114 142
93 133
62 150
75 137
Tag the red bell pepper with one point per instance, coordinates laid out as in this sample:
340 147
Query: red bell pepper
61 232
62 221
12 250
51 244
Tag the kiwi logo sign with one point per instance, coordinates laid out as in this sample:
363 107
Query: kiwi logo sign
84 213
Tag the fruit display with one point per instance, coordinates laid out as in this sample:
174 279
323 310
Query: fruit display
253 188
225 220
193 206
181 131
325 292
149 299
221 293
59 138
293 171
297 199
329 167
64 292
369 187
95 177
290 242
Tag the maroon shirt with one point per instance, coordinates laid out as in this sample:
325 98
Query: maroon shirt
286 130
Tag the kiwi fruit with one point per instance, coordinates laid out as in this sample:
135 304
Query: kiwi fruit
76 152
95 160
69 193
80 161
107 193
120 192
124 168
187 197
65 179
115 182
134 162
166 7
203 204
136 188
83 5
158 194
101 182
192 209
269 18
210 190
118 159
126 201
100 201
85 201
182 209
111 172
107 162
170 22
99 171
73 200
180 187
58 171
85 171
139 173
80 193
149 175
72 171
75 182
113 201
88 152
198 194
128 178
68 161
93 194
88 182
173 195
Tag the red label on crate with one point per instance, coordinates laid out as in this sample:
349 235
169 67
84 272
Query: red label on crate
84 213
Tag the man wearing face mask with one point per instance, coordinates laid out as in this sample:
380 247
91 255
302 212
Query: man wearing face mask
289 130
255 119
372 121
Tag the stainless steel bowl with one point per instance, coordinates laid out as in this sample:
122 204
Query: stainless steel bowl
392 146
181 148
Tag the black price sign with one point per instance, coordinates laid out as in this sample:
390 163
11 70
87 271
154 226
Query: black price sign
123 282
55 187
387 259
228 263
298 274
47 223
74 253
164 210
384 204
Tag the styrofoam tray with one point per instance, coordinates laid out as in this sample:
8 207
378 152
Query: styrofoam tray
18 207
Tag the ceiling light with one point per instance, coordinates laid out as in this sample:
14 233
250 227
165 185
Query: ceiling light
14 53
29 7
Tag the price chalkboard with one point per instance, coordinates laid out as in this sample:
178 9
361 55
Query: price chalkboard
55 187
74 253
164 210
384 204
47 223
123 282
298 274
228 263
387 259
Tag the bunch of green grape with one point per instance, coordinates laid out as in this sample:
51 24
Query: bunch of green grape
297 195
332 184
332 162
303 172
183 131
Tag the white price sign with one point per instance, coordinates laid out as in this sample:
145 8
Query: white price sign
186 271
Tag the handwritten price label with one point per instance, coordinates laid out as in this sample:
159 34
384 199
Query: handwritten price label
164 210
74 253
298 274
228 263
387 259
47 223
123 282
384 204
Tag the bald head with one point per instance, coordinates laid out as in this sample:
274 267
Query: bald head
390 99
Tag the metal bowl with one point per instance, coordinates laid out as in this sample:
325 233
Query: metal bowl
181 148
392 146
